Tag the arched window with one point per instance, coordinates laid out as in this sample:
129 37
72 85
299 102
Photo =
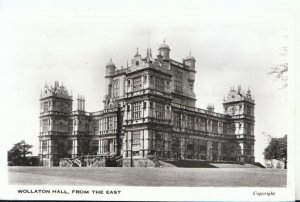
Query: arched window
116 88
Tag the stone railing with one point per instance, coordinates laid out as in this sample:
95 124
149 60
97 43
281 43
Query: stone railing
198 110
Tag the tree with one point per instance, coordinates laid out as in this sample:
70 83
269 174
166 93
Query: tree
277 149
17 154
280 71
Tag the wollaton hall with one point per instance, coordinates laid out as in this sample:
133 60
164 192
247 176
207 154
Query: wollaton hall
149 112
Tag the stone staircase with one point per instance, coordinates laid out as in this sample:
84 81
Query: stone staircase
203 164
231 165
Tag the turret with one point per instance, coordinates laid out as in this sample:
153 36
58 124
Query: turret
164 51
110 69
190 61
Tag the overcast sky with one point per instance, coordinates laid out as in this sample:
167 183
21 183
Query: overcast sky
73 44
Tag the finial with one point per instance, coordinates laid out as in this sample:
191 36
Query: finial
137 50
239 88
110 60
148 38
190 52
127 63
164 40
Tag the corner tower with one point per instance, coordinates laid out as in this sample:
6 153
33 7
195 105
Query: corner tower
239 106
55 124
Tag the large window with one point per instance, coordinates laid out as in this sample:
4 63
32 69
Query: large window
178 82
137 83
159 84
177 120
159 109
96 125
202 150
44 145
159 140
105 146
202 124
116 88
136 138
190 122
46 107
137 110
110 123
45 125
95 146
214 127
102 124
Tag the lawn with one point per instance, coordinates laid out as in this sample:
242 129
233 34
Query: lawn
189 177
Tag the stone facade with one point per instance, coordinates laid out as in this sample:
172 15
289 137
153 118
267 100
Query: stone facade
149 111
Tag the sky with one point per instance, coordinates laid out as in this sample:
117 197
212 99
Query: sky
73 43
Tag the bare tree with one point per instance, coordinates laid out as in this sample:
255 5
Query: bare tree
280 71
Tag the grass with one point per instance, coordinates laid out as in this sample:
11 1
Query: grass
189 177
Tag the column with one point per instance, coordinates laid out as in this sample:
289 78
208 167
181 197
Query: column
196 149
142 149
181 121
182 148
129 144
99 147
75 145
125 146
208 151
219 151
146 143
241 144
40 147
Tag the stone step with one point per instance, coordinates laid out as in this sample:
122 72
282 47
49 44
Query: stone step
203 164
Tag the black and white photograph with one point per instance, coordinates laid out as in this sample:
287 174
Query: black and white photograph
148 100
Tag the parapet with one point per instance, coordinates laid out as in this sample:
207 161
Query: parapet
55 91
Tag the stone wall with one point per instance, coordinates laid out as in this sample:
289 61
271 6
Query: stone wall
141 162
